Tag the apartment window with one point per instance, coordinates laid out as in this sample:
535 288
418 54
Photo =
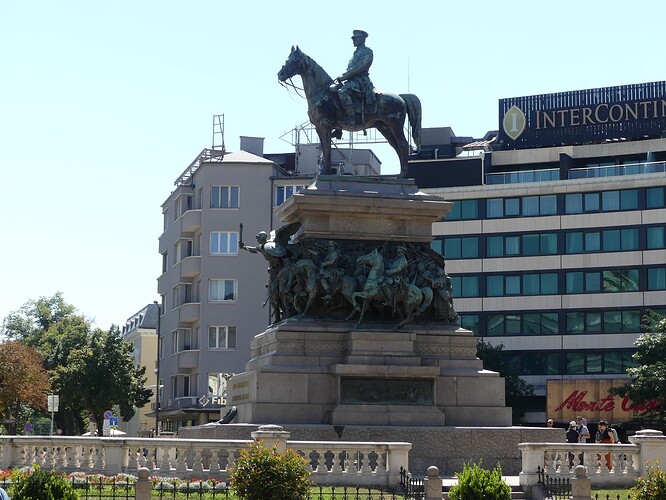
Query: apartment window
183 204
620 280
654 197
528 206
223 243
522 324
526 284
465 286
165 262
180 386
182 294
222 290
470 322
583 322
610 240
656 277
656 237
181 340
532 362
578 363
283 193
183 249
464 210
527 244
224 196
221 337
461 248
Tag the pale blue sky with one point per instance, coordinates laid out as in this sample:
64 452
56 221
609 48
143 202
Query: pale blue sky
103 104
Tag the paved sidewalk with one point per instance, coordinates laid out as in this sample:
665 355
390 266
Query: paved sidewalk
510 480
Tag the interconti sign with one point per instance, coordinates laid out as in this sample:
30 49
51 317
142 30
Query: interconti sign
577 117
589 397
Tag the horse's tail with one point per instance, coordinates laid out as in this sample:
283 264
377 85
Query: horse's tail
414 114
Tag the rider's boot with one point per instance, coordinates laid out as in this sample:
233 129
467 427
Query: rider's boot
348 107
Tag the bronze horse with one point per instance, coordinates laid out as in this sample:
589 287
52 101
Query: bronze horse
326 114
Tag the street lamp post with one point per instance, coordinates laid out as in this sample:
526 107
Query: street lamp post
157 373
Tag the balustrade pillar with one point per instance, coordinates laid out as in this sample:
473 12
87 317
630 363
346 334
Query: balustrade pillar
272 436
581 485
143 485
397 457
532 454
432 484
653 448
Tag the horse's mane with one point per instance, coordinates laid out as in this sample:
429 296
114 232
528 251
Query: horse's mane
316 70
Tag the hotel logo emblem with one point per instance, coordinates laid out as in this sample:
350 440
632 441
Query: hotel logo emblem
514 122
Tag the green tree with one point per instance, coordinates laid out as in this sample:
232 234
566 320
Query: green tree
648 379
90 369
516 390
102 373
35 317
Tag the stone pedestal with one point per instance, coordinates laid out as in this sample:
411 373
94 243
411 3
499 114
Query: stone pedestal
321 370
317 373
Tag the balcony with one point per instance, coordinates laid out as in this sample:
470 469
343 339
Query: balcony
189 312
190 266
190 221
188 359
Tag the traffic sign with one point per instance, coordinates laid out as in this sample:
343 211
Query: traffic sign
113 421
108 414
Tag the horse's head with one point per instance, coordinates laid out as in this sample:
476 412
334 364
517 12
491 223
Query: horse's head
293 66
369 258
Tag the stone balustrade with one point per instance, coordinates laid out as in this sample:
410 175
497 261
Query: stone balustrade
627 461
333 463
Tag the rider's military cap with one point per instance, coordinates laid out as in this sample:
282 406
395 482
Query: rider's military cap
360 33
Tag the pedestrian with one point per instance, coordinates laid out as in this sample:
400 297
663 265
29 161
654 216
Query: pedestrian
3 494
605 436
583 431
572 437
549 423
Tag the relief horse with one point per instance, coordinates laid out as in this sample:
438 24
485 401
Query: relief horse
326 113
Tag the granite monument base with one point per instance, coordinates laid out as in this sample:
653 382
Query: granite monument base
312 372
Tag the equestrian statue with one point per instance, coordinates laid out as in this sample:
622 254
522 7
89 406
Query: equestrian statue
350 102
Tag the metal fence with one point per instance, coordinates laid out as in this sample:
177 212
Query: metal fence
91 488
558 488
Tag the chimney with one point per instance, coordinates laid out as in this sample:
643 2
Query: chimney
254 145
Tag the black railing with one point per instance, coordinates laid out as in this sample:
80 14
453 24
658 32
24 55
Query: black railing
413 488
557 488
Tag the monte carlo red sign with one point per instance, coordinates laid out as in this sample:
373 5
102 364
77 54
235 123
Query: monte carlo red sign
590 398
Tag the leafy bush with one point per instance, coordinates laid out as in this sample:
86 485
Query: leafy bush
261 473
40 485
476 483
652 486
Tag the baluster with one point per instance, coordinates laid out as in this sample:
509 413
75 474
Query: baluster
214 467
98 466
381 462
321 463
589 461
133 462
364 462
197 461
338 459
181 459
548 467
231 458
164 459
71 458
61 459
